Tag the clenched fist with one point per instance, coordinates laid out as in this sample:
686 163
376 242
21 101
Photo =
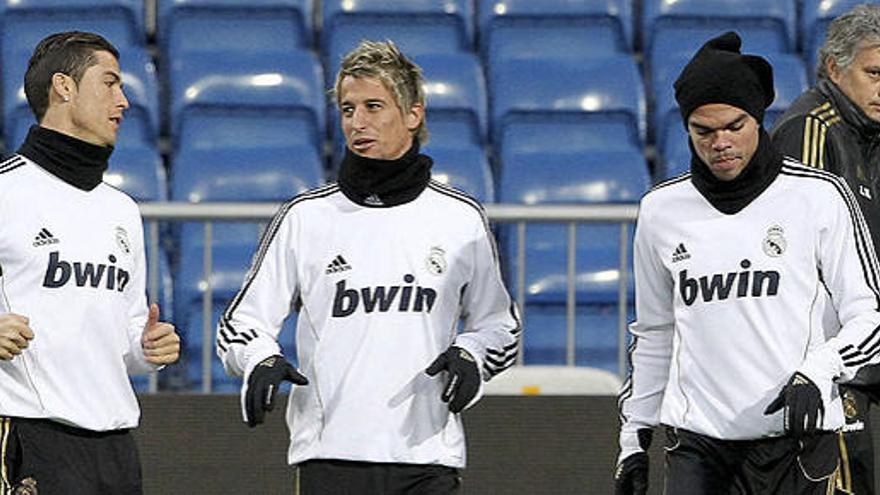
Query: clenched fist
14 335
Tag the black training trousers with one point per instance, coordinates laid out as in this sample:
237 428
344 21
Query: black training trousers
700 465
336 477
56 459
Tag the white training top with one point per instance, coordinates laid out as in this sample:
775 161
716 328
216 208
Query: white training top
728 307
380 291
71 261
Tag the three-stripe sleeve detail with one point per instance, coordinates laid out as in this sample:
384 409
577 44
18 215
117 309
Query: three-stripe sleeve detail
627 388
816 125
499 359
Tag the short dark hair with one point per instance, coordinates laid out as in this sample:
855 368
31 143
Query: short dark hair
70 53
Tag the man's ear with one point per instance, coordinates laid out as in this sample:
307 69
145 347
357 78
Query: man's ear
835 73
415 116
62 85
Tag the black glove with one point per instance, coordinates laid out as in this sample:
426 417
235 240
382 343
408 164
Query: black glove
263 385
804 409
631 475
464 377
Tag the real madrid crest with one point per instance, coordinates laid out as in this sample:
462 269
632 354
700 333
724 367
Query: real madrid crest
122 240
849 405
436 261
774 244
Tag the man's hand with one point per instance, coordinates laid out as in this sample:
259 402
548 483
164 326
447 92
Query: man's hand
631 476
804 409
14 335
464 377
263 384
160 342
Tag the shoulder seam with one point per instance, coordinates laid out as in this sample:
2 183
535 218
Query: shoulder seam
668 182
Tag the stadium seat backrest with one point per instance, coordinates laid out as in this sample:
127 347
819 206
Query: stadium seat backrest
248 101
26 22
790 80
236 174
233 26
416 26
664 72
138 172
548 176
607 90
817 15
671 26
466 169
455 92
596 334
554 28
545 177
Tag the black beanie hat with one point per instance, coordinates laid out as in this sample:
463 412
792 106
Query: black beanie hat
719 73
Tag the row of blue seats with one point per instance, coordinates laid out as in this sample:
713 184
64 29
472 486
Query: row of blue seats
255 107
474 25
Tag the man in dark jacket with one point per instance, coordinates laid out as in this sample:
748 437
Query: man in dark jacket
835 126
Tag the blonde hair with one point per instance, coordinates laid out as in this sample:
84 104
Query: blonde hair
384 61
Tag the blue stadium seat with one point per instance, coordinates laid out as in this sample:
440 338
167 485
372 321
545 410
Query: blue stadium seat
236 174
455 90
463 168
815 18
676 157
551 29
676 26
141 125
596 334
588 104
138 172
584 178
548 177
26 22
230 27
790 80
248 102
416 26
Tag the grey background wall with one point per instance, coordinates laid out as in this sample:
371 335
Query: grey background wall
197 444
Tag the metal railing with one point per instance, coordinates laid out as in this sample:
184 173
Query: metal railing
571 215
